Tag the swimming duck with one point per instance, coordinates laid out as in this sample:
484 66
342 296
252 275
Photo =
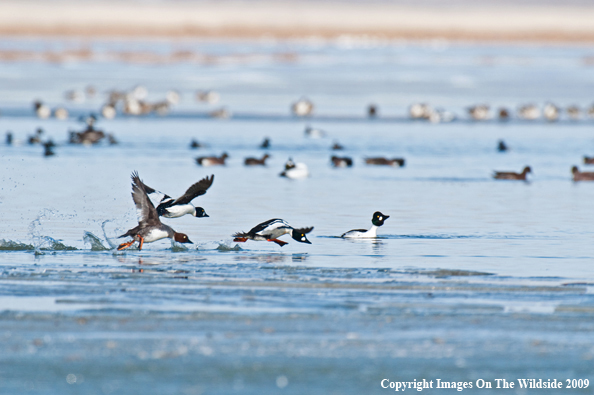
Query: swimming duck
581 175
341 162
256 162
385 162
302 107
174 208
314 133
550 112
337 146
74 95
377 220
48 148
8 138
194 144
501 146
212 160
439 116
587 160
289 164
61 113
529 112
265 144
172 97
298 171
41 110
210 97
503 114
36 138
149 227
508 175
573 112
479 112
372 111
88 137
420 111
108 111
271 230
221 113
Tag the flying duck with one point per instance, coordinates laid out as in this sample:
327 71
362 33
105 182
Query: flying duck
174 208
149 227
271 230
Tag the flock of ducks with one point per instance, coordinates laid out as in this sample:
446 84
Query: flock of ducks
482 112
134 102
89 136
509 175
150 228
92 136
293 170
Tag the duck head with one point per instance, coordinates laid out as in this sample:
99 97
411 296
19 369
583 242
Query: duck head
299 235
200 213
379 218
181 238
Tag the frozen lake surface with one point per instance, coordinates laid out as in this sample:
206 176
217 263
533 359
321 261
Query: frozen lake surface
470 278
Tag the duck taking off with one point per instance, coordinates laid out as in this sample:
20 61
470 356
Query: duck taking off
271 230
174 208
149 227
377 220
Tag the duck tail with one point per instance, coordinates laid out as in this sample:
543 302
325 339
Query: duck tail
240 237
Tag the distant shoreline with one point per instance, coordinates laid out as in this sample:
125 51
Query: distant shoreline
294 20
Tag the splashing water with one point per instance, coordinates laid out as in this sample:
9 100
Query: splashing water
95 242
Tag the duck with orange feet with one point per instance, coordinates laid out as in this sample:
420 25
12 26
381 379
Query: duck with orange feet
271 230
149 227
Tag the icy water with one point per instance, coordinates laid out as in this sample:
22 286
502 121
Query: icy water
470 278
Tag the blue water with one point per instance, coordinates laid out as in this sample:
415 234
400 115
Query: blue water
470 278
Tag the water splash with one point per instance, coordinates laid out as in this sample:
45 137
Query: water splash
42 243
112 245
177 247
95 242
9 245
225 248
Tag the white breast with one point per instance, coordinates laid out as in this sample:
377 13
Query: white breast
155 234
352 234
178 211
299 171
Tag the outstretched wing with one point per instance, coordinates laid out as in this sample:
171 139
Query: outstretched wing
270 225
147 189
147 215
195 190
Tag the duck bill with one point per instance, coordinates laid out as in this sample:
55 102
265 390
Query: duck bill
188 241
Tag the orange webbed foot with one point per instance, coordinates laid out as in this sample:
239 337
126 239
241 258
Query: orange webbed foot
123 246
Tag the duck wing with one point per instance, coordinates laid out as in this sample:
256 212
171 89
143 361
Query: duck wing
147 215
271 224
195 190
